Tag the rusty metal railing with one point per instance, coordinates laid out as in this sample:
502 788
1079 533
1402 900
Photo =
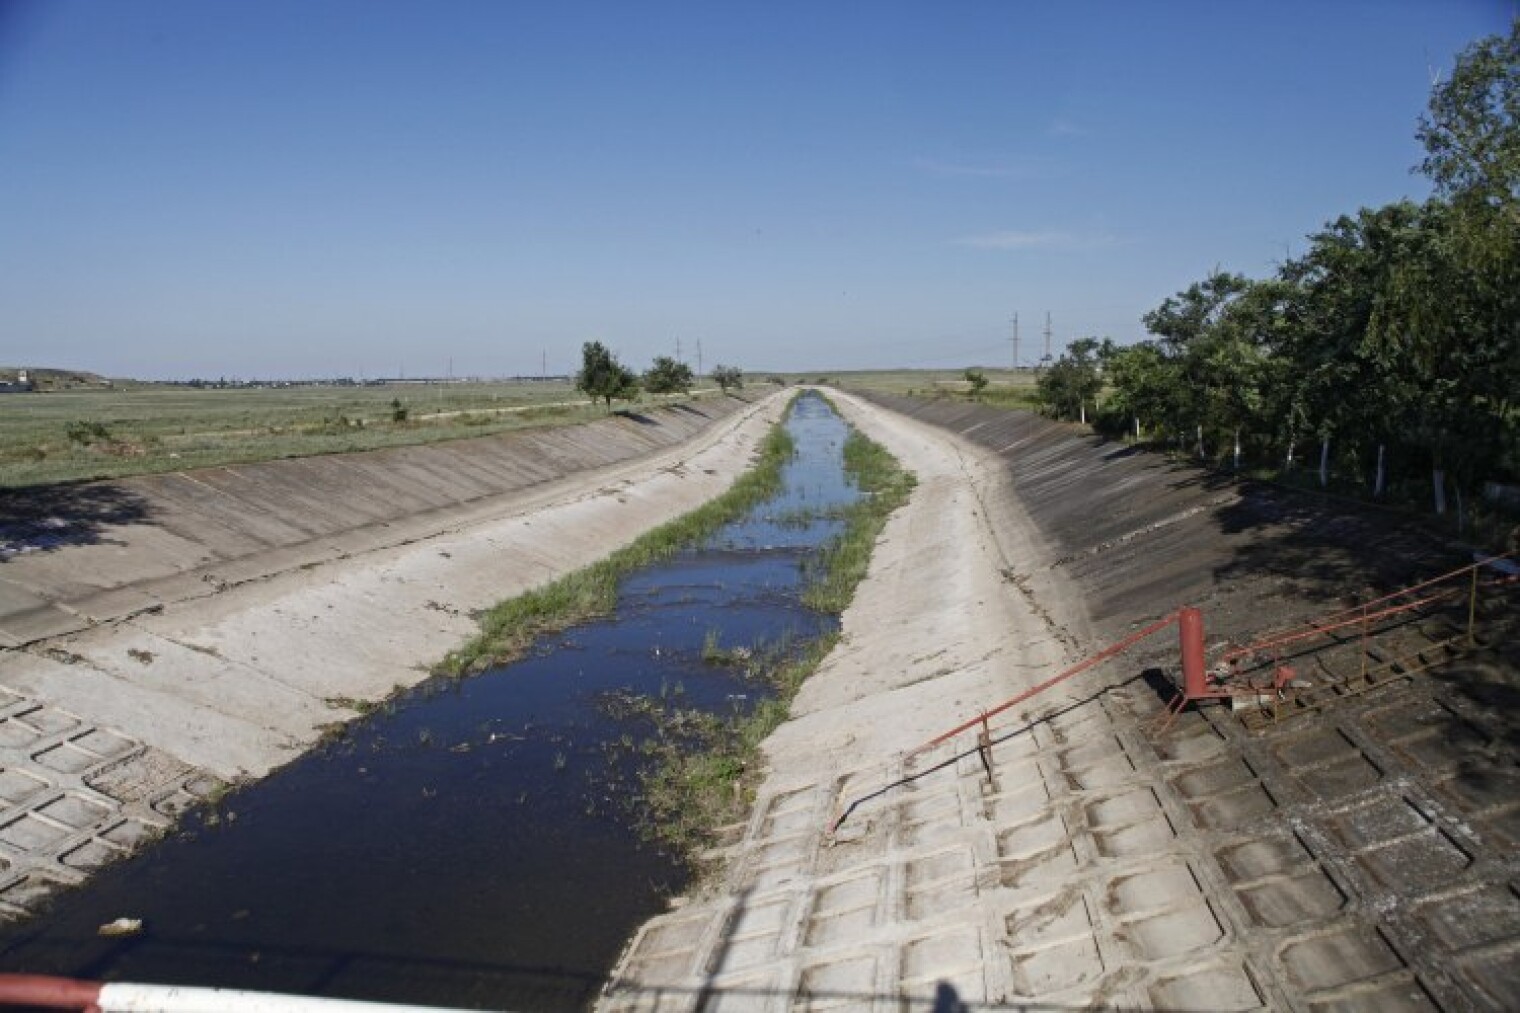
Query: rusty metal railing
1258 669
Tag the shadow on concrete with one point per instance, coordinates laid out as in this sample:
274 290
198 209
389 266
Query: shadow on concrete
1153 678
48 518
1486 684
1325 550
1113 450
633 416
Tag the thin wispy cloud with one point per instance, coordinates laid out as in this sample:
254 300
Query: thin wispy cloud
1013 239
1067 128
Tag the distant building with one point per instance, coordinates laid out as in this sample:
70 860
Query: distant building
21 385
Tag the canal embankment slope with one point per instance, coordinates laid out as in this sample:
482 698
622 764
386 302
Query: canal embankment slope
1356 856
171 633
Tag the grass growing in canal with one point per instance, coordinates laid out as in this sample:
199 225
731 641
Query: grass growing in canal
706 771
705 767
509 628
886 486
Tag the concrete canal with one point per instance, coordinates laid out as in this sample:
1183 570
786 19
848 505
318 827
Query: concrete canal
473 842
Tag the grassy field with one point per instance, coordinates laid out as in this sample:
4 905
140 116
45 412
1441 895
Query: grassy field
86 432
75 435
1005 388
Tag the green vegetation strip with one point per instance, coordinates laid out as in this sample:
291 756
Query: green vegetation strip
706 766
885 487
509 628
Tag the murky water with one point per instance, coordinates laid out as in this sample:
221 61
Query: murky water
468 846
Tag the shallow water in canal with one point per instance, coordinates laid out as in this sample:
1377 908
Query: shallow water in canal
473 844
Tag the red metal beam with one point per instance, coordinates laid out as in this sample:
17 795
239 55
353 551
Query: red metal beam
1359 613
1078 668
1319 629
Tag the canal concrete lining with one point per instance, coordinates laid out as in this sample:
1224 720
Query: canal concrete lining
1360 857
208 626
72 557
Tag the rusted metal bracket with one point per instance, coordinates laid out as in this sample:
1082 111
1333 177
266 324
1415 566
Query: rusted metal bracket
984 749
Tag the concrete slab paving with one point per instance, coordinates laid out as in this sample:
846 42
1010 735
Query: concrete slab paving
60 547
1324 862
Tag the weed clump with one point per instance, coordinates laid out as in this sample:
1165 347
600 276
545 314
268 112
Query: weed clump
886 486
703 768
85 432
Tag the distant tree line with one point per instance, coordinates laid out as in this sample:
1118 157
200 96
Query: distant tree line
603 378
1390 350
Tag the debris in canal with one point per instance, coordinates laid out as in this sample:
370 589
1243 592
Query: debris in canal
121 927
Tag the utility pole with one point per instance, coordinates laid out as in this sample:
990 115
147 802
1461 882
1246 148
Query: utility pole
678 349
1015 342
543 365
1046 360
699 356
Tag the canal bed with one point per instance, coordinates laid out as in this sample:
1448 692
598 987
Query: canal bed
472 843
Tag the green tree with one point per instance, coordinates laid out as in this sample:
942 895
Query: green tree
1142 381
1075 379
1456 309
1471 132
1332 384
728 376
1394 341
977 379
602 377
1202 340
1443 320
667 376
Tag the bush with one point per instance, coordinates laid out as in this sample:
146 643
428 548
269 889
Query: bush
85 433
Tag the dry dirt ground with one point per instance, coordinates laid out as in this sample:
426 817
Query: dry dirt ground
1358 854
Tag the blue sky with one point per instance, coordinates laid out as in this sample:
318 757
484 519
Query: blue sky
310 188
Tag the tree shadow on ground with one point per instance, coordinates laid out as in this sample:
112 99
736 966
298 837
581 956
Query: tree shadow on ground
633 416
1324 549
48 518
